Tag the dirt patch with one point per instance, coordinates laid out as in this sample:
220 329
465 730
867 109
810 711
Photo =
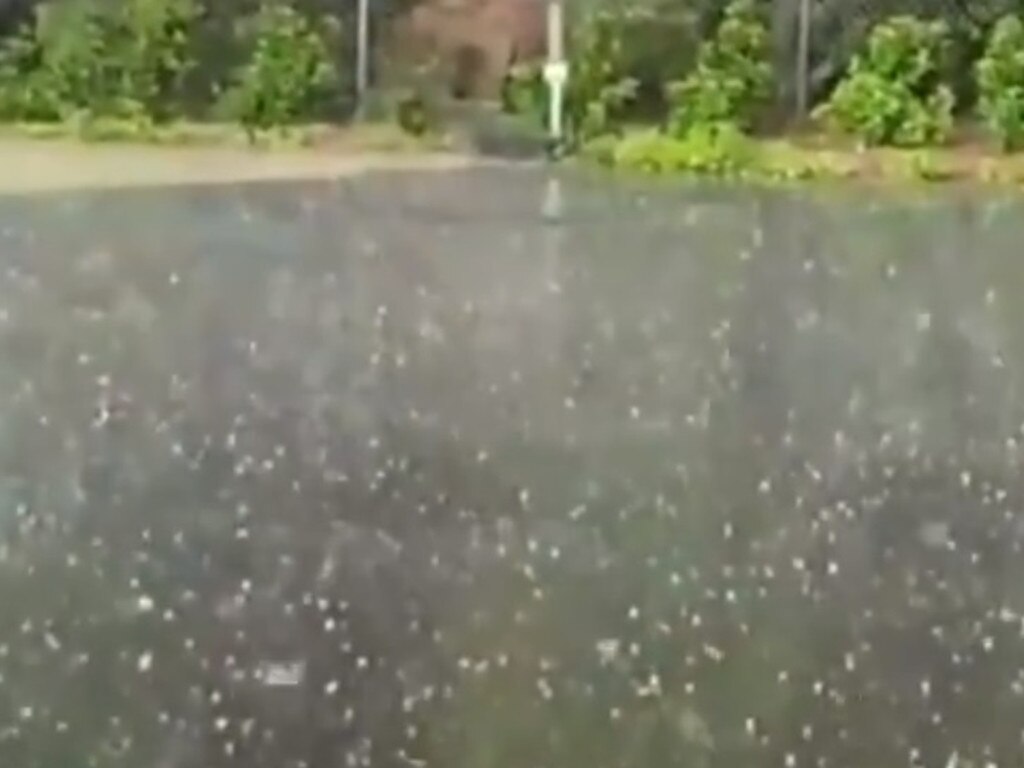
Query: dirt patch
36 166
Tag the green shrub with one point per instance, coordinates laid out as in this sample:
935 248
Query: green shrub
661 40
1001 83
893 92
414 114
924 166
524 91
708 149
152 40
20 98
602 149
599 87
732 79
289 74
124 59
60 64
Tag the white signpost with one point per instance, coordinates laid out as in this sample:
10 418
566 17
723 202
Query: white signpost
556 72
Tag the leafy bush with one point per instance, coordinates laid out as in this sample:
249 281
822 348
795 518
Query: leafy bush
20 97
152 46
732 79
924 166
414 114
1001 83
524 91
599 88
657 41
125 59
602 149
893 92
62 64
289 73
707 149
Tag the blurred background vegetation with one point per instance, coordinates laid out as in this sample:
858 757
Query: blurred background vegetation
694 69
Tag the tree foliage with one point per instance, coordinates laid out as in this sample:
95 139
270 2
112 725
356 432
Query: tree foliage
733 76
125 59
129 59
288 73
1001 82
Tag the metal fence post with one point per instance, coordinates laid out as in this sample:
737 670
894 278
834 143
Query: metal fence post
803 59
362 54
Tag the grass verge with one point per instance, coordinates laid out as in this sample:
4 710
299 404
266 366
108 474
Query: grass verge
364 137
717 153
727 154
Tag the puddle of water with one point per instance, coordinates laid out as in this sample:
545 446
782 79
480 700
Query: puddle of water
428 469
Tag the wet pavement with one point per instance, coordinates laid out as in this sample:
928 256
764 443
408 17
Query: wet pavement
468 469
